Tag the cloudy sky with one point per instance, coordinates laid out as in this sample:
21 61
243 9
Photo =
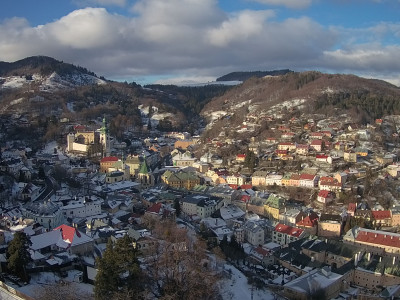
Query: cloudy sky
198 40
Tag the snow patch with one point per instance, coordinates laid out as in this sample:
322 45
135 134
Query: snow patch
16 101
288 104
13 82
237 288
241 104
56 82
215 115
328 90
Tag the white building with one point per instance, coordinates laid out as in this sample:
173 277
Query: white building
254 233
82 208
273 179
236 179
47 213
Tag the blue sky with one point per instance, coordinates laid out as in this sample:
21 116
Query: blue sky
198 40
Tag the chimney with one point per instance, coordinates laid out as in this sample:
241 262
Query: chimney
355 259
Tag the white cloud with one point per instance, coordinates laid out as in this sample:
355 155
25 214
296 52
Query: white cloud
365 58
288 3
247 24
196 38
84 3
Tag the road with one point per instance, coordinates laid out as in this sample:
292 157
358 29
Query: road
50 189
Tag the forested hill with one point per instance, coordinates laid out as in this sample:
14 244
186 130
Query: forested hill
42 65
299 94
191 98
243 76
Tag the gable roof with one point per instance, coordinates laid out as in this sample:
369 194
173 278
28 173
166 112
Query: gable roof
381 214
155 208
63 236
378 238
72 235
109 159
309 221
293 231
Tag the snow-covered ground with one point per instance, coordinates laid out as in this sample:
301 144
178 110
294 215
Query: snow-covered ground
288 104
237 288
13 82
44 279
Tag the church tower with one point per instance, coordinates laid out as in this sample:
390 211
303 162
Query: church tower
105 138
70 142
144 177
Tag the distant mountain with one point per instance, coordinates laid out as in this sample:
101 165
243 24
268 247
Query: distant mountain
42 65
243 76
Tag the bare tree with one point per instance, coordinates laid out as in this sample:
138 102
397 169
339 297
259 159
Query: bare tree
178 267
61 291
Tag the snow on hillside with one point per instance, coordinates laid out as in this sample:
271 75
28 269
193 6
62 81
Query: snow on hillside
215 115
155 117
56 82
241 104
17 101
288 104
13 82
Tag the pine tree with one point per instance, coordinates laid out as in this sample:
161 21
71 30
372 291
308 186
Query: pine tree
118 271
18 256
177 207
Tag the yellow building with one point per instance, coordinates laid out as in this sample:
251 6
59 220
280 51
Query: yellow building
273 207
180 179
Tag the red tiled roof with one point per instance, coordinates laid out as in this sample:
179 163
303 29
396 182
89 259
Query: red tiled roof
306 176
109 159
317 142
309 221
246 186
293 231
321 156
378 238
281 151
155 208
286 144
260 250
381 214
241 155
245 198
68 232
327 179
323 193
316 134
352 207
233 186
80 127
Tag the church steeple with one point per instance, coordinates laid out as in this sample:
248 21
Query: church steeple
145 178
104 128
144 168
105 138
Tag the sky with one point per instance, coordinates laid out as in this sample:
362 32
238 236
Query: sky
183 41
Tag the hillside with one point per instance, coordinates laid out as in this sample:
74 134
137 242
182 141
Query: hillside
243 76
35 89
296 94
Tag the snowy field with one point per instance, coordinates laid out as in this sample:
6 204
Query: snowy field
237 288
